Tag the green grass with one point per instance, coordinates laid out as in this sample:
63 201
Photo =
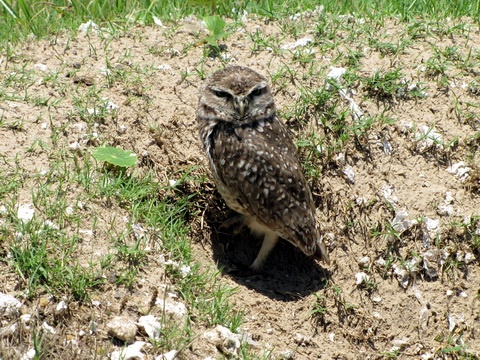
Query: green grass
25 17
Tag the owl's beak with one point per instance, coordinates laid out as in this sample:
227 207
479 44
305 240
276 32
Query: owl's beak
240 104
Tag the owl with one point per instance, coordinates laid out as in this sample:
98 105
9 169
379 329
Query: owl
254 162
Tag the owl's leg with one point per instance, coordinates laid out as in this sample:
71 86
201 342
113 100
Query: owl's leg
268 244
237 220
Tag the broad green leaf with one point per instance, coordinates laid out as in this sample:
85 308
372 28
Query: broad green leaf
115 156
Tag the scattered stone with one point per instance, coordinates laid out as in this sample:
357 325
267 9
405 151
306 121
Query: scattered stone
9 306
302 340
469 258
25 212
25 320
460 170
43 301
427 137
349 173
336 74
150 325
89 25
407 271
287 355
122 328
158 22
30 354
61 309
171 355
48 328
364 261
224 340
92 327
171 307
433 230
361 278
300 42
454 320
400 222
8 330
133 351
399 344
431 262
387 193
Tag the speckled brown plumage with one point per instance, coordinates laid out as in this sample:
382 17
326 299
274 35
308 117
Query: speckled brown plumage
254 161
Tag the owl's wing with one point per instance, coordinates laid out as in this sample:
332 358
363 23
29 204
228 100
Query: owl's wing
260 167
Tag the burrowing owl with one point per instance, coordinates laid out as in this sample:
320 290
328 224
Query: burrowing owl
254 161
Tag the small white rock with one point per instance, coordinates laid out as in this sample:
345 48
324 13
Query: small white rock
224 340
166 69
41 67
460 169
8 330
361 277
336 73
157 21
171 307
469 258
287 355
300 42
25 212
25 320
123 328
349 173
433 227
151 325
9 306
30 354
74 146
50 224
364 261
133 351
185 270
89 25
61 308
48 328
340 158
171 355
400 222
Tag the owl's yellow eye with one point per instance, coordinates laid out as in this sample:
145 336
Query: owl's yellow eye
222 94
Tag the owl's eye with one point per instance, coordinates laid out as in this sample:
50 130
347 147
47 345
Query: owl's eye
257 92
222 94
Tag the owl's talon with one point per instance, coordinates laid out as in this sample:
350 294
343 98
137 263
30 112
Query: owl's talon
241 270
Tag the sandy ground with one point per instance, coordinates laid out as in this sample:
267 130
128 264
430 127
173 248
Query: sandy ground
426 299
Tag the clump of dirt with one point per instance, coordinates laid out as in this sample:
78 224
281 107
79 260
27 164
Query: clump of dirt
396 208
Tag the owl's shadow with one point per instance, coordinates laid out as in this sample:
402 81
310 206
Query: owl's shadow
287 274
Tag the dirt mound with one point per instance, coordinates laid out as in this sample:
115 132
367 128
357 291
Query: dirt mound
395 178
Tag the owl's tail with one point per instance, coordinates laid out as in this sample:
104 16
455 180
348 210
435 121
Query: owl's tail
321 252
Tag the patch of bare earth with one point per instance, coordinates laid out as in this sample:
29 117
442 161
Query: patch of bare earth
422 292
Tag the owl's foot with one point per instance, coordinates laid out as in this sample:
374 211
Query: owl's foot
236 220
242 270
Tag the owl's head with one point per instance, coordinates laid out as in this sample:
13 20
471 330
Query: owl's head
236 94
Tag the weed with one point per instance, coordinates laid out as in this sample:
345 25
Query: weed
384 85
